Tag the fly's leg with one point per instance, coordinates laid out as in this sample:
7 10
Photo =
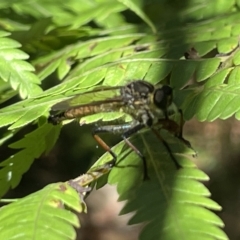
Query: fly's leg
127 130
173 127
103 144
125 137
108 129
180 134
177 130
167 148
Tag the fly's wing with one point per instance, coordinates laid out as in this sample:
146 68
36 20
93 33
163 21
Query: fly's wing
94 97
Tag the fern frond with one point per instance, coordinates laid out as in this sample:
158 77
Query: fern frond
136 8
30 147
173 203
100 44
42 215
208 104
16 71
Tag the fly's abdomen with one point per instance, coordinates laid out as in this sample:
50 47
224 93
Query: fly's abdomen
82 111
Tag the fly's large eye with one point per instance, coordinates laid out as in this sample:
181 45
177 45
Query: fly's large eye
163 97
167 90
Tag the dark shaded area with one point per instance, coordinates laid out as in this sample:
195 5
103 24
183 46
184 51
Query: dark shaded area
75 151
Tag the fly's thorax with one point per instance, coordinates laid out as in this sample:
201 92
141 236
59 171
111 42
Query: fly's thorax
136 98
140 87
136 92
139 96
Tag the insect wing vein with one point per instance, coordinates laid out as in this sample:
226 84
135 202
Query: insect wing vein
86 99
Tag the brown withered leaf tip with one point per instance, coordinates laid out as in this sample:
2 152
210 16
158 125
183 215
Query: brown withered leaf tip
141 48
62 187
92 46
192 53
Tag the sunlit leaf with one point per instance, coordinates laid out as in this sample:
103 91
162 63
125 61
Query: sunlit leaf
42 215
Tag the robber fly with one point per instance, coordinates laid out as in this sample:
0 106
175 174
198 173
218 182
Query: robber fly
146 104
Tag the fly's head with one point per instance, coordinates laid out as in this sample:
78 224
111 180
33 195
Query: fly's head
162 105
162 97
148 103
